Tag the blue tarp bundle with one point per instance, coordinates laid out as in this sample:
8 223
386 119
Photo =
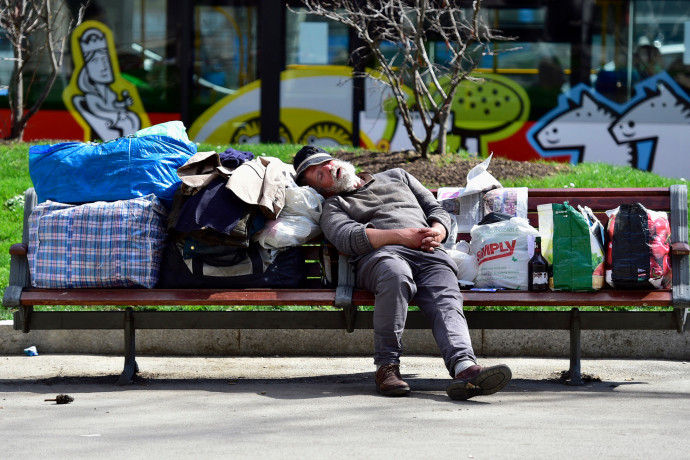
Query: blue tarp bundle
124 168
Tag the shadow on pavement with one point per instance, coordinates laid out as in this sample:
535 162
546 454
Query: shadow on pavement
309 387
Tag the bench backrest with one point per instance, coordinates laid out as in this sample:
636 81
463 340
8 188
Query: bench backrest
599 200
672 200
311 253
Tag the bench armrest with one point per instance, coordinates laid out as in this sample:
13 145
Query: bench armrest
19 249
680 249
344 291
20 277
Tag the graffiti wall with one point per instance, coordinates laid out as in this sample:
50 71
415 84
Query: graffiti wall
648 132
316 108
132 64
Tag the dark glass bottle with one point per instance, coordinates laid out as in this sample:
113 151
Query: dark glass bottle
538 270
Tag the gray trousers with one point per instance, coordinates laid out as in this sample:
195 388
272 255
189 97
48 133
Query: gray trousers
397 275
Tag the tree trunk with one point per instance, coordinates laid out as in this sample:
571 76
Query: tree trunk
442 140
16 99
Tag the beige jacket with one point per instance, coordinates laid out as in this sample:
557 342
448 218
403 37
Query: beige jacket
261 181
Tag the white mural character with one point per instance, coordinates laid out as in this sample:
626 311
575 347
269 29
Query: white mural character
583 128
108 115
661 117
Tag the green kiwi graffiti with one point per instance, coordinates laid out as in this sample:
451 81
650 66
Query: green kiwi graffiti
490 109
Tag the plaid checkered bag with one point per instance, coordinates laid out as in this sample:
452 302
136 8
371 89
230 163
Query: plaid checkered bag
97 245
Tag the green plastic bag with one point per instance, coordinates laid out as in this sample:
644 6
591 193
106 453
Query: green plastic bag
573 252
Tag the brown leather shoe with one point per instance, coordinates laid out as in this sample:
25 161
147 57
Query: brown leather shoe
479 381
389 382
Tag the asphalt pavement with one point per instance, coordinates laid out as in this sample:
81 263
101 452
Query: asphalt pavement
307 407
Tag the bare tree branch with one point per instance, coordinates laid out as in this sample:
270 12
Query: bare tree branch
34 29
410 26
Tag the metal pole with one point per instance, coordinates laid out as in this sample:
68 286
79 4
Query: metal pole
131 366
575 346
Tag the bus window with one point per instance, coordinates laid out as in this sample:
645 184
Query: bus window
312 40
224 52
626 52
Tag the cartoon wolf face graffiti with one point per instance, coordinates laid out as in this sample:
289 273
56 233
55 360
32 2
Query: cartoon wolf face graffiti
662 117
649 132
583 128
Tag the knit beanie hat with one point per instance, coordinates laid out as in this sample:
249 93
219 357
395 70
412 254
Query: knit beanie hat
307 156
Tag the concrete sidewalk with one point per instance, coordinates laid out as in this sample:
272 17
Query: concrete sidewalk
318 407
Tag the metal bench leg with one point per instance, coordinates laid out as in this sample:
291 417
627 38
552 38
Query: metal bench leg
25 317
575 346
343 293
131 367
681 318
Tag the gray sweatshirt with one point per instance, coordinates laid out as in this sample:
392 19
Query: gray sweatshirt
392 199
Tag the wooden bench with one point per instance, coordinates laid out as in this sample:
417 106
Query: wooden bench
21 296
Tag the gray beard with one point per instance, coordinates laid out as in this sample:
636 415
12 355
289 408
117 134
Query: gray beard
347 181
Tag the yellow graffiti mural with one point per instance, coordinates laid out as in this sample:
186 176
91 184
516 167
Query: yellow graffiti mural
316 109
104 104
312 110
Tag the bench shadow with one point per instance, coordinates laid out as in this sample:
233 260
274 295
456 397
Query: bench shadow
297 388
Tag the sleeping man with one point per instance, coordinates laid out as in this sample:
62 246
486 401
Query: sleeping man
393 228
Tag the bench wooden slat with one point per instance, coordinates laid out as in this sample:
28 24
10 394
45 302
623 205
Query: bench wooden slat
656 198
150 297
623 191
533 219
313 270
311 252
312 283
604 297
607 297
656 203
153 297
600 192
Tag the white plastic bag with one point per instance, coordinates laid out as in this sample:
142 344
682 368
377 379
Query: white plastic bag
479 179
297 223
303 201
502 253
174 129
452 233
466 262
465 203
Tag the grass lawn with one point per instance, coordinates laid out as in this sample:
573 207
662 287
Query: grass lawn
14 180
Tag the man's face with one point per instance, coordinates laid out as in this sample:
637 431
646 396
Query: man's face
332 177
